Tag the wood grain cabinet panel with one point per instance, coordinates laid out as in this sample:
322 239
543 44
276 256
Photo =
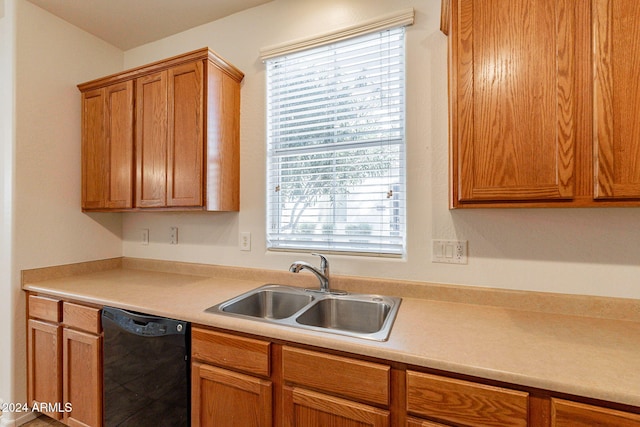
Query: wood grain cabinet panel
44 308
151 140
305 408
513 108
82 318
223 398
415 422
565 413
82 378
44 364
465 403
343 376
231 351
617 90
186 135
107 147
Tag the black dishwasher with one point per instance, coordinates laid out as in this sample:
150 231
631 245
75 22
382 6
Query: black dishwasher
146 376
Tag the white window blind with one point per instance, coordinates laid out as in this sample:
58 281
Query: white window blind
336 144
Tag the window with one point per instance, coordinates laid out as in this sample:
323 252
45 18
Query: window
336 146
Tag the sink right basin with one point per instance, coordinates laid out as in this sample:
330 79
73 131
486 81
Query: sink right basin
357 316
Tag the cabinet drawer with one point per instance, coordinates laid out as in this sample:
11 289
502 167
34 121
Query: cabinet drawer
81 317
238 353
464 402
343 376
44 308
565 413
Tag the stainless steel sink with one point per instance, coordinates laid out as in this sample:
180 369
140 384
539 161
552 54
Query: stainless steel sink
270 302
356 315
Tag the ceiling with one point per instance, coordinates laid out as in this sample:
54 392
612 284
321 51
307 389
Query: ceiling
130 23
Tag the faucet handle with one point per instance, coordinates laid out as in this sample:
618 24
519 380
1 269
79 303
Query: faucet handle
324 263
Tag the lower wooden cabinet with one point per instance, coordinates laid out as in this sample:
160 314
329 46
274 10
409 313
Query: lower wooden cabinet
64 361
255 382
226 398
230 383
82 365
246 381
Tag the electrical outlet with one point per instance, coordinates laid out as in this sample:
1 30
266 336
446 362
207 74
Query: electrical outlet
245 241
144 237
449 251
173 237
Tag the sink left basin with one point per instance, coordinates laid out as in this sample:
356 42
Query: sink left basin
266 302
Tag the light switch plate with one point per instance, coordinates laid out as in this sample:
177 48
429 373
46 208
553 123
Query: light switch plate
449 251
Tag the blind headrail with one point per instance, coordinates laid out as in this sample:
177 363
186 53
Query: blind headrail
400 18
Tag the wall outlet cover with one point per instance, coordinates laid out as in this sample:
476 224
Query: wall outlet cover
449 251
245 241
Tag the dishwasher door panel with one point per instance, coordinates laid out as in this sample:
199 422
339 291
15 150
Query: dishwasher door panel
146 370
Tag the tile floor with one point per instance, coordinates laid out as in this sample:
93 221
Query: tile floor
43 421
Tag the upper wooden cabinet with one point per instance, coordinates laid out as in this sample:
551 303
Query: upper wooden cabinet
163 136
543 102
617 94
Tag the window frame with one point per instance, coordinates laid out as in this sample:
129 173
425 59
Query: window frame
399 250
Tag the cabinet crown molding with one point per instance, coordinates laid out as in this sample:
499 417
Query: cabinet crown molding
154 67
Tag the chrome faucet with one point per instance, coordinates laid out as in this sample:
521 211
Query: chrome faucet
322 273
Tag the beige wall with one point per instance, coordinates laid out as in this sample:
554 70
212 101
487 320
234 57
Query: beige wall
51 58
583 251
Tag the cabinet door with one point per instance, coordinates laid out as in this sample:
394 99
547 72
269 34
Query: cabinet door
44 359
565 413
514 83
94 149
617 90
107 147
151 140
82 378
223 398
185 135
305 408
119 126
